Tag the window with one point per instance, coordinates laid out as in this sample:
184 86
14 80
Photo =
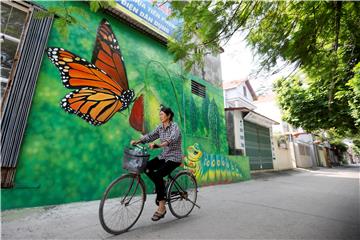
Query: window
21 56
198 89
13 21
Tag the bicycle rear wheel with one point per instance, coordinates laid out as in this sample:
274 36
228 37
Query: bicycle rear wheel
122 204
182 194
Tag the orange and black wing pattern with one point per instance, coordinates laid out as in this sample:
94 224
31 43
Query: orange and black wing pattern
97 97
77 73
107 55
96 106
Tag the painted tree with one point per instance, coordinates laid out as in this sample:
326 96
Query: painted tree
194 116
214 123
320 38
205 113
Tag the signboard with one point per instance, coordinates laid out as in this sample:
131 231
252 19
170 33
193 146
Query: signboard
150 15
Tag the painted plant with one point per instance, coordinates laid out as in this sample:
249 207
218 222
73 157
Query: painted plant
144 114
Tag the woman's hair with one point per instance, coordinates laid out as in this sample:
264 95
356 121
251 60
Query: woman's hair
167 111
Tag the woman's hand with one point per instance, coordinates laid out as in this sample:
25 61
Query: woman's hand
134 142
153 145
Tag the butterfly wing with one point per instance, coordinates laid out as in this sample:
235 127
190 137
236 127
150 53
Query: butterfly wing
78 73
96 105
107 55
96 97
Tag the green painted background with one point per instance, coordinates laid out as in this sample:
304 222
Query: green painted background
65 159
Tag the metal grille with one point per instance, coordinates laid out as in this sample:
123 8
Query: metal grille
198 89
17 105
258 146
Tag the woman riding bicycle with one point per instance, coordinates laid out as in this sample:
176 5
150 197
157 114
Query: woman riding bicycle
171 157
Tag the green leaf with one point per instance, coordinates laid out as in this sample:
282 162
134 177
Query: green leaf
321 38
94 6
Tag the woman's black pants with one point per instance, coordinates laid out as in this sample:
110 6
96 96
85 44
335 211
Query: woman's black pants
156 170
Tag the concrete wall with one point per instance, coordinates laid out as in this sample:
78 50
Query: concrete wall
303 155
211 71
322 156
284 159
238 91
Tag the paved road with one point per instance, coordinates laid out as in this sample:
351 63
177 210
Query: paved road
296 204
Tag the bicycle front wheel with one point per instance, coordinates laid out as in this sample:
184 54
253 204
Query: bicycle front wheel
122 204
182 194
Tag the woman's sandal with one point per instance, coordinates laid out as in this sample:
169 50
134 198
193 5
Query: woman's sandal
157 216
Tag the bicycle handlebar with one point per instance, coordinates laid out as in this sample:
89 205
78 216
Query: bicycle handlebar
142 146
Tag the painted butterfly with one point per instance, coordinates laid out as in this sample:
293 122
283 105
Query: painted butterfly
101 87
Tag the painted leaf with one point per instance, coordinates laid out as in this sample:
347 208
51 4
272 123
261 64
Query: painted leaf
144 115
152 108
137 114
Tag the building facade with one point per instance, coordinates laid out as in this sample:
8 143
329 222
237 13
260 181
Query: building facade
293 146
75 97
249 133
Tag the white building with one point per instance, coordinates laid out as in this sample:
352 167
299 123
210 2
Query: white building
249 132
293 146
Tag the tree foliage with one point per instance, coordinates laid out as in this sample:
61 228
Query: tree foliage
306 106
65 16
354 98
320 38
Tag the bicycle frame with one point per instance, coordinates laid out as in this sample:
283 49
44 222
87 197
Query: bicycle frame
180 190
115 210
138 179
170 177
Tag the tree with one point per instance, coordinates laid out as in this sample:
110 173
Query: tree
65 15
354 98
295 31
306 105
322 39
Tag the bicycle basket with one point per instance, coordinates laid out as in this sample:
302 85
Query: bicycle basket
135 160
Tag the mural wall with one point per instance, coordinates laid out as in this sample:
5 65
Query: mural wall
215 168
110 79
206 146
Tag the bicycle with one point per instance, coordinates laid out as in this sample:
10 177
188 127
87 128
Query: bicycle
124 199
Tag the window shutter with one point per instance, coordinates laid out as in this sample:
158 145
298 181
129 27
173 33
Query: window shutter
198 89
17 105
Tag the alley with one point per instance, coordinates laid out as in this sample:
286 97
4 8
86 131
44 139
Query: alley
296 204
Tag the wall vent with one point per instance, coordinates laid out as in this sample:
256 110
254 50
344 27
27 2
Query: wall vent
198 89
